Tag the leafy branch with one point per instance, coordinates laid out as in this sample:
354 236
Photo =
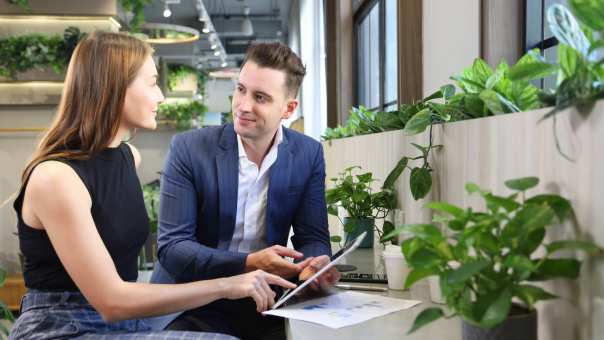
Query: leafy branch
487 258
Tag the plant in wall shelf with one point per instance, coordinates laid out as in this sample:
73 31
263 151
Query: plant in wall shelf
23 4
580 66
35 51
185 115
488 258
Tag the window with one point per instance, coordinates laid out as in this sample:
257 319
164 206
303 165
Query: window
538 34
376 55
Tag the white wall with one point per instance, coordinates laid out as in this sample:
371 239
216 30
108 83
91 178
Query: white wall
451 39
218 91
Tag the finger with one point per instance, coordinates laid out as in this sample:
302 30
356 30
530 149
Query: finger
325 282
320 261
270 295
284 266
276 280
305 263
259 301
284 251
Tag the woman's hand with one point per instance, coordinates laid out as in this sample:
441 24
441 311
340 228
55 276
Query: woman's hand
255 285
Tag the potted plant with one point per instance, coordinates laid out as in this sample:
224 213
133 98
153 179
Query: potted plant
6 317
488 258
146 258
354 194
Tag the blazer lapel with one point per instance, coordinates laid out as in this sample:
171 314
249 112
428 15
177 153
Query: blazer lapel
227 166
278 187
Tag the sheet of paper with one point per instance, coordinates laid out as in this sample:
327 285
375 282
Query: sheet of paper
343 308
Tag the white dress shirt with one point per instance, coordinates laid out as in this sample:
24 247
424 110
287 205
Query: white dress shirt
250 224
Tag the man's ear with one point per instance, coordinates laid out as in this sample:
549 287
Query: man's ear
292 104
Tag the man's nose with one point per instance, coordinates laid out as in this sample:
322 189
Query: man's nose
245 103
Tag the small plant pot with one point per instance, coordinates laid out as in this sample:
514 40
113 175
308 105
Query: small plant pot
359 226
436 294
520 324
396 267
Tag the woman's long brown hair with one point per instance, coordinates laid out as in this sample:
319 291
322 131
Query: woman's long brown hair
90 111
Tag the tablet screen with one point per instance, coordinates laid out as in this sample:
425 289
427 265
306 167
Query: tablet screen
334 260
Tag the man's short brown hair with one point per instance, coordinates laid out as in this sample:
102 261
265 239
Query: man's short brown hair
279 57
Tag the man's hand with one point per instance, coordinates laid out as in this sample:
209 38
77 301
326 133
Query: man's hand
325 280
271 260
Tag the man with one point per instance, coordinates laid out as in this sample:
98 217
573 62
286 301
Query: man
230 194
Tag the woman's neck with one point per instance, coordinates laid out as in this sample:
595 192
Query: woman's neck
119 137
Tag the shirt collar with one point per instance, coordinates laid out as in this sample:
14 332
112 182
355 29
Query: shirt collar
278 140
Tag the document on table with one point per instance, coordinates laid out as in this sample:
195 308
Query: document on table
342 309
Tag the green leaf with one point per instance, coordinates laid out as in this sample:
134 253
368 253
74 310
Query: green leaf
448 91
521 265
446 208
587 247
2 277
420 182
492 101
472 188
568 58
424 258
335 239
559 205
466 271
387 228
494 202
555 268
332 210
530 294
417 274
498 311
425 317
522 184
531 70
435 95
395 173
418 123
533 216
589 12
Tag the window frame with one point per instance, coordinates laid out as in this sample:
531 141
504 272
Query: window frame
361 14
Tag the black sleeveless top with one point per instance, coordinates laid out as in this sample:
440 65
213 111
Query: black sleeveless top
118 211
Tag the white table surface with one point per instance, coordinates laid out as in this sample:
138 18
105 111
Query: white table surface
391 326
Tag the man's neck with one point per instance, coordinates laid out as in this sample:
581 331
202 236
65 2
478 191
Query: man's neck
256 150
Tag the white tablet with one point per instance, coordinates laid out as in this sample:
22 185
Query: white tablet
334 260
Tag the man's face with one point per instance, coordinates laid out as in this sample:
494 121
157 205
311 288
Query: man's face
261 100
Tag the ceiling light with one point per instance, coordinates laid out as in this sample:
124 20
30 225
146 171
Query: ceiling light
217 53
224 64
213 46
167 11
246 23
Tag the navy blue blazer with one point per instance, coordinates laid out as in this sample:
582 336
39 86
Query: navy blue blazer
198 203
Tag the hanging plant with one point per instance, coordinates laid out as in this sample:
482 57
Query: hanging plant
137 7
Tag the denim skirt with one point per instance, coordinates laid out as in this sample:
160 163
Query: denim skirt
67 315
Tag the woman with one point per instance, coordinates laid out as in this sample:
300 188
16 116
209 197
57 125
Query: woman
81 215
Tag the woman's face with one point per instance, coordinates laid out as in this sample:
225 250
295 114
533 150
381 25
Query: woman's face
143 97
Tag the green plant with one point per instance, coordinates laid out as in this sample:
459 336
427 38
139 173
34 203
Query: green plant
580 66
183 114
486 258
354 194
137 7
23 4
177 72
5 313
35 51
151 198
